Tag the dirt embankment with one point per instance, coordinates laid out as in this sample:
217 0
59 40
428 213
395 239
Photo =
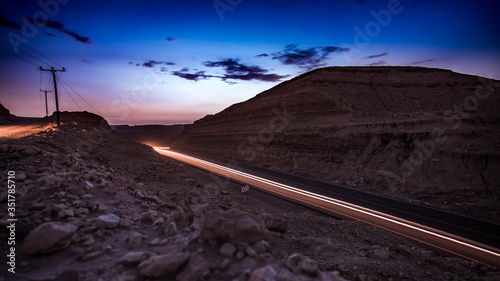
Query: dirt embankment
427 136
90 206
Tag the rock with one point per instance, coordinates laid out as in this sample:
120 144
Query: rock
89 184
87 196
259 247
248 262
195 269
227 250
332 276
49 237
107 221
299 263
404 250
380 254
91 256
183 217
149 216
65 213
222 263
263 274
135 240
250 252
279 224
232 226
139 194
159 266
75 190
200 210
30 151
240 254
171 229
133 258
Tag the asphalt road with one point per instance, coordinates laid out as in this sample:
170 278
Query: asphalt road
464 236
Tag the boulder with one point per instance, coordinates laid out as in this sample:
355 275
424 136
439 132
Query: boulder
227 250
196 268
49 237
76 190
233 226
263 273
107 221
133 257
299 263
162 265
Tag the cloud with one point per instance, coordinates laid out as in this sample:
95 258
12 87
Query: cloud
153 63
238 71
307 58
376 56
378 63
50 35
184 73
85 61
262 55
170 39
421 61
60 27
7 23
233 70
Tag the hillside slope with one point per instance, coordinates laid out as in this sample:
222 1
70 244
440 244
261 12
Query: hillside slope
424 135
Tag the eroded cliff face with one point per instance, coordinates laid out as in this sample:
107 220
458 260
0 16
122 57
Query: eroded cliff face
426 135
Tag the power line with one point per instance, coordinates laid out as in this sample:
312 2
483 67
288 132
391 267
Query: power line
19 57
27 53
32 49
69 94
63 82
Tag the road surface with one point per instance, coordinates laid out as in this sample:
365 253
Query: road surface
419 223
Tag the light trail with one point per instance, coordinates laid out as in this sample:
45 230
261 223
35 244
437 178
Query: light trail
448 242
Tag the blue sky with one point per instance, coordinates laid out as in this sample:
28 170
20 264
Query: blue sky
166 62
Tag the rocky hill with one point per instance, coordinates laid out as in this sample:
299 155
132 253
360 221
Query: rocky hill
428 136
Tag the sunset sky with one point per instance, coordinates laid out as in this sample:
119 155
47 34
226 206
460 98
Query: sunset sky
167 62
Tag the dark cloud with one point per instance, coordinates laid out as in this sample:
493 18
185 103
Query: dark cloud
308 58
360 2
50 35
262 55
422 61
233 70
153 63
85 61
60 27
378 63
7 23
170 39
376 56
184 73
238 71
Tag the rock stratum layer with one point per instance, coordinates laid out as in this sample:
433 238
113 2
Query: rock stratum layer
429 136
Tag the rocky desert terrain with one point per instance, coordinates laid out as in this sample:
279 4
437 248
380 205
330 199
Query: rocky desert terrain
421 135
92 206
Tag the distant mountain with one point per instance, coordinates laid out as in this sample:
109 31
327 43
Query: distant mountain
406 132
153 135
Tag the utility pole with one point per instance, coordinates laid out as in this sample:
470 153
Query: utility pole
55 89
46 104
